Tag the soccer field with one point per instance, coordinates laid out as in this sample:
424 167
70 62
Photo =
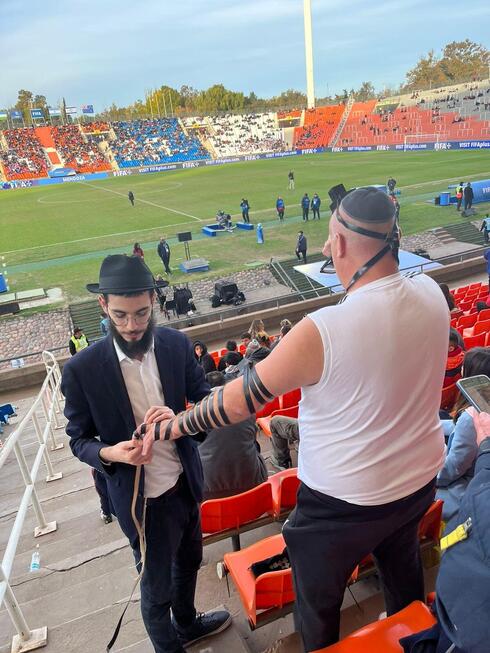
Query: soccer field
57 236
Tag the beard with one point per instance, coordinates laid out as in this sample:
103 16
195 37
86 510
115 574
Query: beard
134 348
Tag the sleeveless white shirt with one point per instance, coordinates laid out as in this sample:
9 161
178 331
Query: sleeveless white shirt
369 429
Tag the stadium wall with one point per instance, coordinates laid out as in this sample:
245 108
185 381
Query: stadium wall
163 167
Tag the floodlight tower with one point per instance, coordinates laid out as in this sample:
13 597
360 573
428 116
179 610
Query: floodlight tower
310 85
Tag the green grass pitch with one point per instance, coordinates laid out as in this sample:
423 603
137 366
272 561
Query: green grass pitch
58 235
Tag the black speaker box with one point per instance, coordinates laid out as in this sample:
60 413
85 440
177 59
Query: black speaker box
184 236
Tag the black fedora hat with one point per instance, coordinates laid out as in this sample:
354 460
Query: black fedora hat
122 274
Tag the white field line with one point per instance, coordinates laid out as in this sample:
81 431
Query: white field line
83 240
43 200
440 181
159 206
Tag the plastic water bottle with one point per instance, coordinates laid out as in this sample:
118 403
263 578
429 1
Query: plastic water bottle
35 560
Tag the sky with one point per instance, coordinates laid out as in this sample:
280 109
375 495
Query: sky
114 50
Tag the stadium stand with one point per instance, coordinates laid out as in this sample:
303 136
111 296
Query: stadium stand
147 142
449 114
76 152
249 133
95 127
319 125
24 158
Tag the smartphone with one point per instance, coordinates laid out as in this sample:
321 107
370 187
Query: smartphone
476 389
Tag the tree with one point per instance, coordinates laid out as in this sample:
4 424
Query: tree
365 92
461 61
24 104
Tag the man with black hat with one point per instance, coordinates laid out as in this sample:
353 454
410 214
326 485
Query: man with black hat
110 388
163 251
370 370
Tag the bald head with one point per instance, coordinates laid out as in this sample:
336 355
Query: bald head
366 209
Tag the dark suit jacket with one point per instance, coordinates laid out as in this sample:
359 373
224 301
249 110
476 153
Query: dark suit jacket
99 412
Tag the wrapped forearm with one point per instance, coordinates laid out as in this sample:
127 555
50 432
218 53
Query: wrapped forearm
211 412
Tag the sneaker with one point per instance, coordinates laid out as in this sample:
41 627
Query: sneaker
205 625
107 519
281 466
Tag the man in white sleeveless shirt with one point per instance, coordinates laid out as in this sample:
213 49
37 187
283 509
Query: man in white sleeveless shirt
371 370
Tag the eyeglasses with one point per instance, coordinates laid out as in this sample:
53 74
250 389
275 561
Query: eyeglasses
140 318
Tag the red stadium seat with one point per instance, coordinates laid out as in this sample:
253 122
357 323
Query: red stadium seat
284 489
228 517
475 341
269 408
264 422
467 321
484 315
383 636
448 397
291 398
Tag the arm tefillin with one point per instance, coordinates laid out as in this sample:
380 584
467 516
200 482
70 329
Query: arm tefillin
210 412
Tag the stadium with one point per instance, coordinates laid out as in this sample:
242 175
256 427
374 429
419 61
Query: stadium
224 350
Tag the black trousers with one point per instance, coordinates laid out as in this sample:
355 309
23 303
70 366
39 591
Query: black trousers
101 488
166 262
173 557
327 538
280 213
305 214
245 217
316 213
301 253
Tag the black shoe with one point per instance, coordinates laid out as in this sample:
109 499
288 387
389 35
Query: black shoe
205 625
107 519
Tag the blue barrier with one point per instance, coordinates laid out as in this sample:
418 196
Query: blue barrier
246 226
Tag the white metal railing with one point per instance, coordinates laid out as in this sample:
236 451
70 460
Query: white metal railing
48 402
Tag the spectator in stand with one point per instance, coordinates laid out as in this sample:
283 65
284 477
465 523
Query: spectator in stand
305 205
78 341
131 197
285 327
455 358
291 180
245 208
284 433
448 297
301 247
459 195
205 360
232 356
137 251
280 208
315 205
230 456
256 326
461 452
163 251
485 227
256 350
246 337
468 196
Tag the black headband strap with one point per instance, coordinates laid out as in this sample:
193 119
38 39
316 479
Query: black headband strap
361 230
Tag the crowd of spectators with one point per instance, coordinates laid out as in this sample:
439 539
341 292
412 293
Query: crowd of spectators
248 133
24 157
148 142
95 127
77 153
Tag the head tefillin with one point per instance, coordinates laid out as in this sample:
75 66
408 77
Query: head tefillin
371 206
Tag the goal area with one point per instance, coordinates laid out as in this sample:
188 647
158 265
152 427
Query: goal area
410 141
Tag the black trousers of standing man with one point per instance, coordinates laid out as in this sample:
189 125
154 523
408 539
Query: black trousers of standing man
173 557
327 538
165 262
301 253
306 212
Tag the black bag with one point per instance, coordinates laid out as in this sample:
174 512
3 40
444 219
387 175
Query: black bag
274 563
215 301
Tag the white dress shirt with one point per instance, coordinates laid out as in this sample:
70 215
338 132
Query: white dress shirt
144 387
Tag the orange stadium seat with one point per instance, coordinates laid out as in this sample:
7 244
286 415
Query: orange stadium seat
431 523
228 517
467 321
264 423
284 489
474 341
484 315
383 636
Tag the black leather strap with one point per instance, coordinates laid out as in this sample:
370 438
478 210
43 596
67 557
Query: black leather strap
180 419
210 408
367 266
198 416
157 430
191 415
246 390
265 393
221 407
168 430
